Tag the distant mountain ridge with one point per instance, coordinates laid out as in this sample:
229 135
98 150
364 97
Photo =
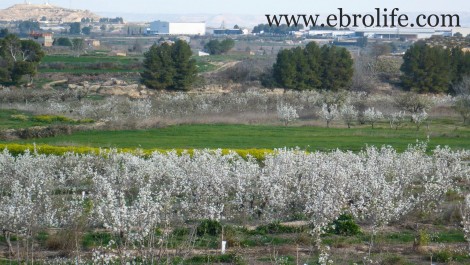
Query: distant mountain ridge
50 12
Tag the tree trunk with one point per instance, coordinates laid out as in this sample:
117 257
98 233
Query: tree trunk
7 235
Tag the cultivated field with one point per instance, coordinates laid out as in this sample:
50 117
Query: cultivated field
96 168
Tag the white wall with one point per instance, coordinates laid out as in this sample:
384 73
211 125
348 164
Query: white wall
188 28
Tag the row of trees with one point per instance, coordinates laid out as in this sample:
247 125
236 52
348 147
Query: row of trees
312 67
435 69
75 28
130 197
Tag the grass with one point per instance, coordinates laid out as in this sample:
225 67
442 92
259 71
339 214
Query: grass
89 59
84 70
81 65
260 136
14 119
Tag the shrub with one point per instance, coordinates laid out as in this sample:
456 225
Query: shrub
394 260
276 228
345 225
51 118
209 227
443 255
424 238
180 231
93 239
63 241
224 258
19 117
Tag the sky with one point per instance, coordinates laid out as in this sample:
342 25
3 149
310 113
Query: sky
251 7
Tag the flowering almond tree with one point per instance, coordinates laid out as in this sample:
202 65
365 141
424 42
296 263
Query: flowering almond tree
287 113
371 115
329 113
348 114
131 196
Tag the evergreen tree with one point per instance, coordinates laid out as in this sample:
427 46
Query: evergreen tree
18 58
284 69
75 28
63 42
426 69
460 65
185 67
219 47
327 68
169 67
313 74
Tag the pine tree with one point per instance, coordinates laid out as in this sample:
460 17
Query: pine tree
336 65
169 67
327 68
313 74
185 67
433 69
284 69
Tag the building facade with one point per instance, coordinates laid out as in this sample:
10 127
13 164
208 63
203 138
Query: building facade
176 28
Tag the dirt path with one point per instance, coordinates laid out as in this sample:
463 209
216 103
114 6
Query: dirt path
51 84
223 66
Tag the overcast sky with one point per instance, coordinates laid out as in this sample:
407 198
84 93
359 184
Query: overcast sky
251 6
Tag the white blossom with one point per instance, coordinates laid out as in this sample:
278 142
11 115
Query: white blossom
419 118
371 115
329 113
348 114
287 113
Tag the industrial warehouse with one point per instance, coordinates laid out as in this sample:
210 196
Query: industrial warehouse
176 28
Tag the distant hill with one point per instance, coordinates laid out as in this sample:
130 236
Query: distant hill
51 12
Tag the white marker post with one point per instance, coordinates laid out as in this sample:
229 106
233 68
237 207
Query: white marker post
224 244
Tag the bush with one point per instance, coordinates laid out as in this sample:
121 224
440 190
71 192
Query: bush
394 260
180 231
63 241
224 258
443 255
345 225
209 227
276 228
51 118
94 239
19 117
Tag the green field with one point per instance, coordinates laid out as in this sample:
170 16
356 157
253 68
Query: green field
89 59
90 64
14 119
251 136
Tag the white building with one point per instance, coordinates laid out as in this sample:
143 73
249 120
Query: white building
406 33
176 28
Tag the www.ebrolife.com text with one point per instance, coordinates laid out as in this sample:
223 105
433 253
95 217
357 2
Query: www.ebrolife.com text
380 18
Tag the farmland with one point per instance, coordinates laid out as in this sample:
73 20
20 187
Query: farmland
98 168
275 225
260 136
